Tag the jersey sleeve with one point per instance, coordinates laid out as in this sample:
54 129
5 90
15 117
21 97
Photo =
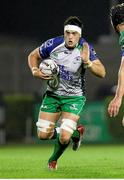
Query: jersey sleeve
45 48
93 55
48 46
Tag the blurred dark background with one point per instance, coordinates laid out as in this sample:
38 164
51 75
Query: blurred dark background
24 25
44 19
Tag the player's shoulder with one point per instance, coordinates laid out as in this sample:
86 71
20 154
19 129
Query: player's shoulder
82 41
58 39
49 45
54 41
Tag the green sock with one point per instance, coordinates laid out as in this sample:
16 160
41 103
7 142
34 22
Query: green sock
75 134
58 150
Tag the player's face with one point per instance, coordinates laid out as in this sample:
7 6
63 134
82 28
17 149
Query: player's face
71 38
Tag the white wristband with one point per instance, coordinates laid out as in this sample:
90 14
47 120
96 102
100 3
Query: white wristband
34 69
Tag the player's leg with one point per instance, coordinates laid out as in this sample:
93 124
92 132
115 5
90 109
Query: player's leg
48 115
46 125
72 106
77 137
75 106
67 128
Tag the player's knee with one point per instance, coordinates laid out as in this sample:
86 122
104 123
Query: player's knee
45 129
64 139
68 125
67 128
43 135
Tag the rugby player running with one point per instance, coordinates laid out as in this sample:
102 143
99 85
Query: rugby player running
73 55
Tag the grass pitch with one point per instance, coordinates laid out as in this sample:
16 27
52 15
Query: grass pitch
90 161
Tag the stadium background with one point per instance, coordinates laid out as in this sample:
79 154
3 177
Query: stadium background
24 25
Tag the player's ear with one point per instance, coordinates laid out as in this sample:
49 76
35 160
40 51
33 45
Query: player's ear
117 28
120 27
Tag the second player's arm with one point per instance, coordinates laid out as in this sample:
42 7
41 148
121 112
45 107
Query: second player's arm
120 86
115 103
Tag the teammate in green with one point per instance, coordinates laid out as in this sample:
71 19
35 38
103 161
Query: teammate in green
73 55
117 20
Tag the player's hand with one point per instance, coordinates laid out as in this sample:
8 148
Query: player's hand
114 105
85 55
39 74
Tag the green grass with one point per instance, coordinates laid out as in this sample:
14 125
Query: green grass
90 161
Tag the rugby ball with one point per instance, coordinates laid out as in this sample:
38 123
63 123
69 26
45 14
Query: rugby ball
49 67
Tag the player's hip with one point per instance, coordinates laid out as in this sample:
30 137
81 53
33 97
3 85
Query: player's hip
54 103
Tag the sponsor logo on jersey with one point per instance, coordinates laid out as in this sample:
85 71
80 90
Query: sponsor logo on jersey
73 107
64 74
48 43
43 106
54 55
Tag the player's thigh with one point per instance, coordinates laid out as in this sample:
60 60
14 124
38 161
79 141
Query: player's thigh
50 108
46 124
68 125
71 116
71 110
53 117
48 120
50 104
73 107
48 115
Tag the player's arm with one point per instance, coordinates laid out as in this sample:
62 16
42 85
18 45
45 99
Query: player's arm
115 104
34 59
120 86
96 67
